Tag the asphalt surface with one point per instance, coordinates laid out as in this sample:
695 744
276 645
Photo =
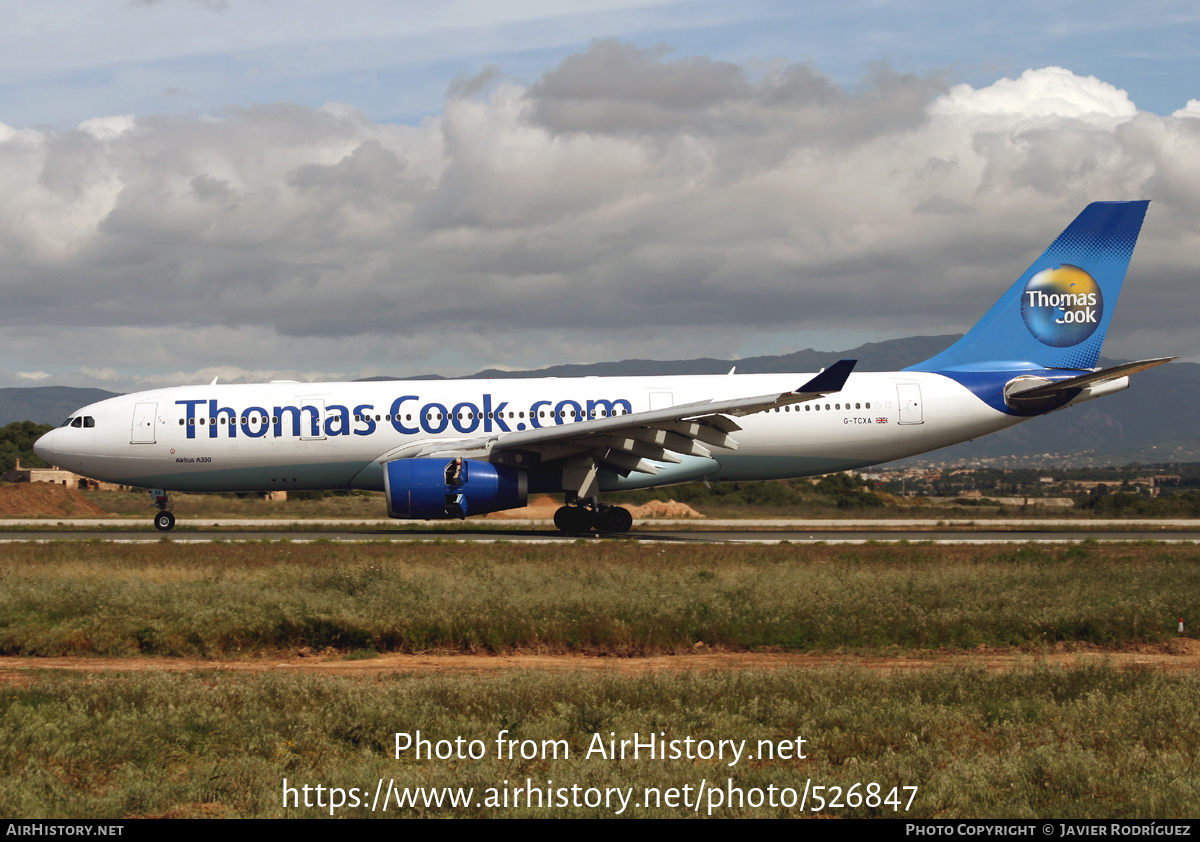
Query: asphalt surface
706 531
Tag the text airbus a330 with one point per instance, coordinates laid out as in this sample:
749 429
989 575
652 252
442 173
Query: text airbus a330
457 448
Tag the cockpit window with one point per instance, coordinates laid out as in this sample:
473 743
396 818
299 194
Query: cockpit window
67 423
77 422
89 421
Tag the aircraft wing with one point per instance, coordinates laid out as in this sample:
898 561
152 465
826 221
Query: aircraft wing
628 443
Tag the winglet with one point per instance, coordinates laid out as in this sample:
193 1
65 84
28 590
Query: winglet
831 379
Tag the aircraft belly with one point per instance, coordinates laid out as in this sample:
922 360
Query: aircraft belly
199 466
290 477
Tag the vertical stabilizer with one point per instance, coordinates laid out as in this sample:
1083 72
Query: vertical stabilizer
1056 315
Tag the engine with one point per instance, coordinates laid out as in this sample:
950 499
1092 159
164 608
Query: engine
432 489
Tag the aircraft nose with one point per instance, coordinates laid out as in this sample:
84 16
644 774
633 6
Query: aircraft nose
44 448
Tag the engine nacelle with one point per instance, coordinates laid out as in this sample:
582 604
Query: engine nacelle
432 489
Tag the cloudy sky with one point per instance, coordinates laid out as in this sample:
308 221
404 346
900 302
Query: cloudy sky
259 189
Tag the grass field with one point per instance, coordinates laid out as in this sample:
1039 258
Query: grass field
1037 741
1082 743
620 598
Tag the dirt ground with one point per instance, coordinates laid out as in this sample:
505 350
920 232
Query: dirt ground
543 508
1182 654
31 499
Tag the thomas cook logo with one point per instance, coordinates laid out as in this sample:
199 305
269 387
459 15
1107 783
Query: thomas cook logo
1062 306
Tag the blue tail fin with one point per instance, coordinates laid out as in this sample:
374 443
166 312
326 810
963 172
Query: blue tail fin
1057 313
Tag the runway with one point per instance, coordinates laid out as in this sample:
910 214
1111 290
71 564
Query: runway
679 531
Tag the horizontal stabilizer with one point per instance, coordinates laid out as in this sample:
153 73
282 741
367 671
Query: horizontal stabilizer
1039 395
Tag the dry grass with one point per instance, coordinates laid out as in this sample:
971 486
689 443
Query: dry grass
1084 743
1028 743
622 598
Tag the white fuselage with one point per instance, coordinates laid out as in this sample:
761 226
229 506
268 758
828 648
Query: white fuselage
283 436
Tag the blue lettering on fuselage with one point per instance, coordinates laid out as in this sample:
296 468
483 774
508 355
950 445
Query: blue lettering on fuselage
396 422
533 413
305 420
337 420
363 418
256 422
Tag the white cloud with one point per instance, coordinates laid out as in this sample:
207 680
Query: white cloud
1192 109
107 128
1048 92
587 216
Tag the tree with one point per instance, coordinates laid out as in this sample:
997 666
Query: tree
16 442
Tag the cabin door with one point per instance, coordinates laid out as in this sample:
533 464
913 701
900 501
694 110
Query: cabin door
909 395
143 423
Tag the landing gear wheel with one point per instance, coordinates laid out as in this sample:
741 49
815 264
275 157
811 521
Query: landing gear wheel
573 519
614 519
164 521
562 519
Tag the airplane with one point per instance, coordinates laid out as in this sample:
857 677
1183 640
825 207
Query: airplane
450 449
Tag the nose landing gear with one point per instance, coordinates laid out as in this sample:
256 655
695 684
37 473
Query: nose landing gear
580 516
164 521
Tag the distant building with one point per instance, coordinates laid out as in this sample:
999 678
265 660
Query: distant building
57 476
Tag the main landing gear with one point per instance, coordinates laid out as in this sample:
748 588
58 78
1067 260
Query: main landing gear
164 521
579 516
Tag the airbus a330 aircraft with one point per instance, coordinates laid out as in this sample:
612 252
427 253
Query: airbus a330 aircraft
456 448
